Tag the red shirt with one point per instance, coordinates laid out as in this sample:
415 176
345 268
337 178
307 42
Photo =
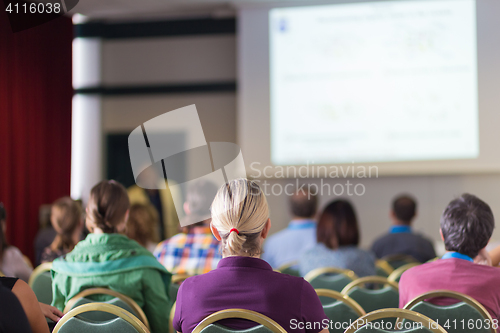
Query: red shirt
477 281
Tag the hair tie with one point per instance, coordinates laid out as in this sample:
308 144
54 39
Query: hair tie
234 229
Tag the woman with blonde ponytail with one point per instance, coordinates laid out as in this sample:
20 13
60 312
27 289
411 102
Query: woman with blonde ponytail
240 221
109 259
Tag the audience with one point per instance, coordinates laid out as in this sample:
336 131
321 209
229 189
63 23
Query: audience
194 251
141 225
338 238
12 262
107 259
46 233
466 227
285 247
240 221
67 220
401 239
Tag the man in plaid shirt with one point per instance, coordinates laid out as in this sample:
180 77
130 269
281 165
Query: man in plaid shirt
195 250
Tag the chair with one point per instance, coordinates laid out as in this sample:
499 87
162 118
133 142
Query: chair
370 323
171 318
373 299
267 325
383 268
330 278
451 316
41 282
117 299
124 321
342 310
288 269
175 284
398 260
395 276
27 261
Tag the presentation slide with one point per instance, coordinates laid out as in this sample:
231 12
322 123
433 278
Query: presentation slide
373 82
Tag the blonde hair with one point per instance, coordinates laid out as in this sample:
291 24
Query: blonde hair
108 204
240 204
142 224
66 215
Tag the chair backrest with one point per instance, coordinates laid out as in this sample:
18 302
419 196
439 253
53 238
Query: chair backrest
266 324
116 299
383 268
124 321
340 309
398 260
289 268
175 283
468 315
395 276
41 282
416 322
330 278
370 300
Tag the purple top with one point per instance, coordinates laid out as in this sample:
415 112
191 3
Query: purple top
249 283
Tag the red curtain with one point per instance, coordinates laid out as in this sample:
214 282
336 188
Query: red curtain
35 123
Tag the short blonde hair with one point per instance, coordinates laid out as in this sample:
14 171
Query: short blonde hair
240 204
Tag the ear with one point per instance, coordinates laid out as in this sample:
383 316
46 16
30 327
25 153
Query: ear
441 233
186 208
266 229
215 232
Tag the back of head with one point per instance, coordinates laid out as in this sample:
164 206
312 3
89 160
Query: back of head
467 225
199 198
240 204
108 204
303 204
142 223
338 225
66 215
404 208
3 238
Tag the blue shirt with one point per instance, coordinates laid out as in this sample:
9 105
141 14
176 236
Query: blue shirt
287 245
346 257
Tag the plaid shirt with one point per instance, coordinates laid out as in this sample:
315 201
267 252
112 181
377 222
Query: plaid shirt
194 253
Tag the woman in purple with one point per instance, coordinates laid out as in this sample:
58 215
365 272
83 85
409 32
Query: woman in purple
240 220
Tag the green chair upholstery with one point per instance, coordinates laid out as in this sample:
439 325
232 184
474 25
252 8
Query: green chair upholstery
377 322
330 278
399 260
383 268
373 299
97 316
41 283
341 310
124 321
265 324
289 268
173 289
457 317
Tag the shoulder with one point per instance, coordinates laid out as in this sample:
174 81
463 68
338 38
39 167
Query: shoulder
381 240
12 253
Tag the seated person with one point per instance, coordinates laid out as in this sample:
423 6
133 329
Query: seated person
67 220
110 260
195 250
141 225
338 239
466 227
12 262
240 221
286 246
401 239
23 309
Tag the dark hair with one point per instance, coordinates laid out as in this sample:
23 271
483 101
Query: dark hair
404 208
303 203
3 240
337 225
467 224
108 204
66 215
199 197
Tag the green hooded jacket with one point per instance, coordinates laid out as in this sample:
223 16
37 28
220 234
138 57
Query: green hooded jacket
115 262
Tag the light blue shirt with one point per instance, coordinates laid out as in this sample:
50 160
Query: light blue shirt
287 245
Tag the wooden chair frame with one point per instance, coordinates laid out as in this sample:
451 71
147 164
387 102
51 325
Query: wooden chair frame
399 271
179 278
343 298
42 268
109 308
455 295
171 318
369 279
325 270
396 313
104 291
242 314
287 265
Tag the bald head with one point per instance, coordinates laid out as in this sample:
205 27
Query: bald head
303 204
